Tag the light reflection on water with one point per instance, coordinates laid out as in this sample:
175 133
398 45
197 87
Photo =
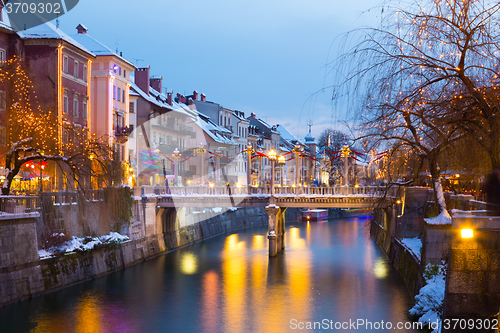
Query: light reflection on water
329 270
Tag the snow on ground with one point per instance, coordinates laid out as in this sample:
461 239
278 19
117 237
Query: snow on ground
443 218
414 245
429 301
217 209
82 244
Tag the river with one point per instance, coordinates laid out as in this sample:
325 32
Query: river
331 273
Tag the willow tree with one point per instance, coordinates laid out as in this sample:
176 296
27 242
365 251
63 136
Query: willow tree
411 74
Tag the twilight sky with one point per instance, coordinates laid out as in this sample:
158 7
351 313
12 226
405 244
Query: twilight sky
262 56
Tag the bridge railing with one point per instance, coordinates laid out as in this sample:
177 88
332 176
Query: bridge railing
244 190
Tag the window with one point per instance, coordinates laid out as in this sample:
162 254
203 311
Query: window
114 93
65 102
154 137
65 64
114 68
123 95
84 109
131 126
75 105
3 101
119 70
131 107
2 55
124 73
75 69
119 94
84 76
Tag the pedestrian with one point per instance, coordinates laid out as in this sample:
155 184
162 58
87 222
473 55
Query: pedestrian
492 189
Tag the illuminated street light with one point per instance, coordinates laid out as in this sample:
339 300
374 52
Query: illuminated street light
467 233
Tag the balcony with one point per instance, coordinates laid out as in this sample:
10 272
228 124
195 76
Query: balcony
122 133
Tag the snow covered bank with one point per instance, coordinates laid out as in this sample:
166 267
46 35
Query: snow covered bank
429 301
81 244
414 245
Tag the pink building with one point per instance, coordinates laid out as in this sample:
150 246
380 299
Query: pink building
110 105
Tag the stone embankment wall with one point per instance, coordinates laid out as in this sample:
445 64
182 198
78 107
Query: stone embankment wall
382 230
151 230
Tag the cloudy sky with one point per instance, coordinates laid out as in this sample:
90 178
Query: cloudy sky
260 56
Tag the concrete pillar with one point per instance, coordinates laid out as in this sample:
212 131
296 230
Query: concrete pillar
275 235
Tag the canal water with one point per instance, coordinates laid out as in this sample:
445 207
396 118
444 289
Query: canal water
331 273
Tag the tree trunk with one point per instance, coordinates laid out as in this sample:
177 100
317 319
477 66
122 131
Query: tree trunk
440 204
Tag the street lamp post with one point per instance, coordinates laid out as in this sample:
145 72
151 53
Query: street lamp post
281 163
200 150
325 163
296 151
217 166
346 152
272 157
249 150
176 156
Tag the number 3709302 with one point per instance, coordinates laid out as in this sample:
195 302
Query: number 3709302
40 8
470 324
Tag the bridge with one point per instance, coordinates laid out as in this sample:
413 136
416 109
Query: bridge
226 196
275 201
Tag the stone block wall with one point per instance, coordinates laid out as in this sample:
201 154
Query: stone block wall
473 285
19 270
436 243
403 260
412 207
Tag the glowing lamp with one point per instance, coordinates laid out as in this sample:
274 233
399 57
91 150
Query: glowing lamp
457 175
398 202
211 184
238 185
308 217
467 233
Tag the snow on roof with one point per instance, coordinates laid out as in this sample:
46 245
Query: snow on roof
97 47
286 135
49 31
212 129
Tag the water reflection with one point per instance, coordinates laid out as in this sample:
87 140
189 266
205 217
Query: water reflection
189 263
329 270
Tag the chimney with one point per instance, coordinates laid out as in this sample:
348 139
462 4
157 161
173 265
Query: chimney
169 98
203 98
142 79
252 115
191 105
156 83
195 95
80 28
